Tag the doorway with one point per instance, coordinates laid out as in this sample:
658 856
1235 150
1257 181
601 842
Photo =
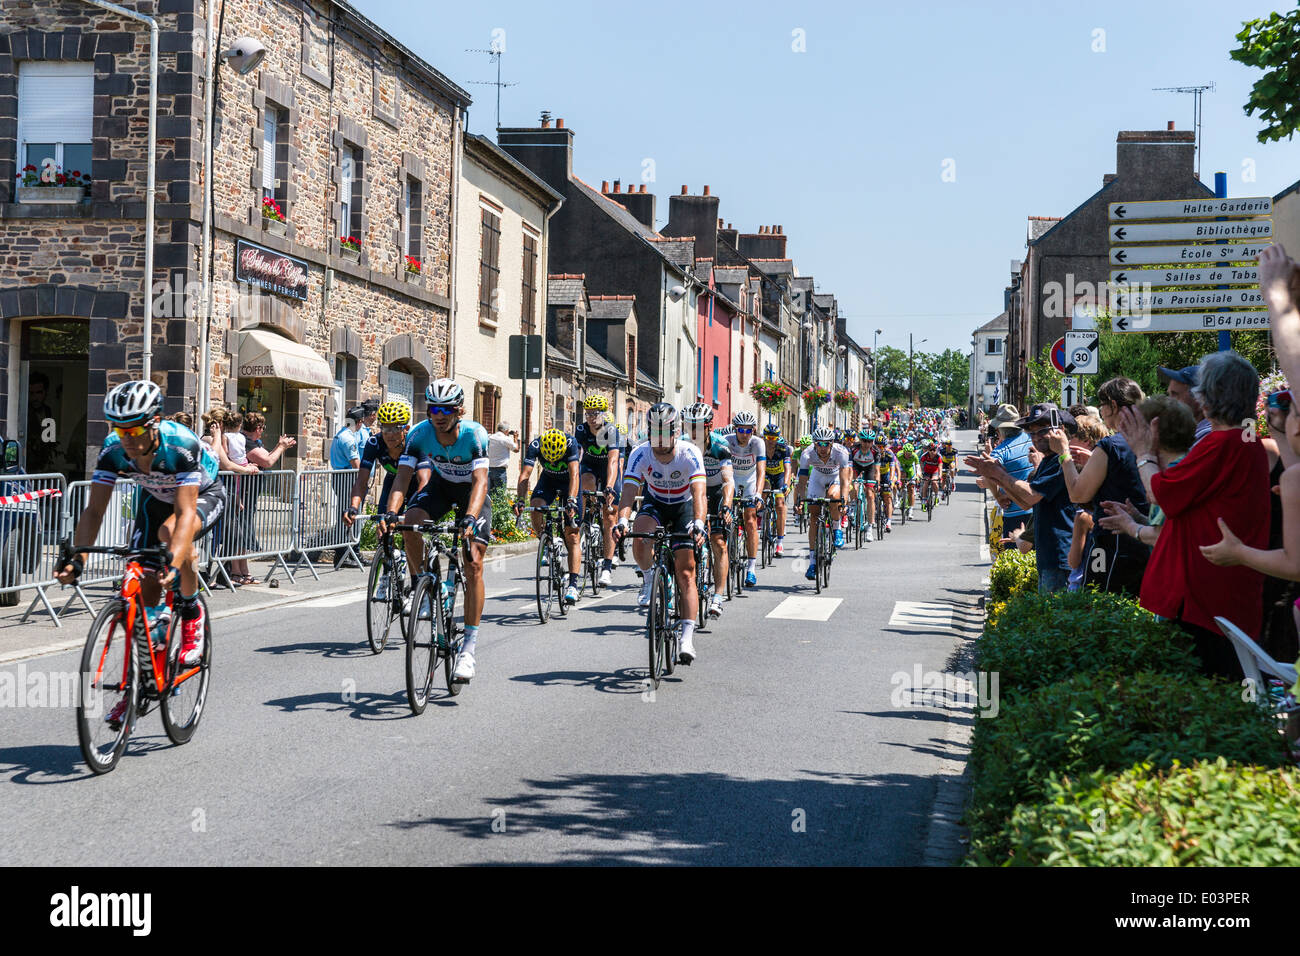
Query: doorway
54 370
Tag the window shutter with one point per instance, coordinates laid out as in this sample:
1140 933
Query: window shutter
489 419
56 101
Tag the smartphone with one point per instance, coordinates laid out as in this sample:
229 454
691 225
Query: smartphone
1054 418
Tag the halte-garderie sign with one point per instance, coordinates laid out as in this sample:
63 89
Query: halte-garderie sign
272 271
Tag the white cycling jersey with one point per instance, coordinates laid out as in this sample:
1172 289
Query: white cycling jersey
745 460
667 482
811 462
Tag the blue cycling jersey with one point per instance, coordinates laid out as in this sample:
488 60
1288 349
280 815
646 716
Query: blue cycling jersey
456 462
180 461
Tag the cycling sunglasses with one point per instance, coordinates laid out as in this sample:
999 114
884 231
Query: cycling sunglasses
823 444
1281 400
443 409
133 431
392 429
744 431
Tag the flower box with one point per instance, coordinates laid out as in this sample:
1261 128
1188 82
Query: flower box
410 276
350 254
277 227
63 195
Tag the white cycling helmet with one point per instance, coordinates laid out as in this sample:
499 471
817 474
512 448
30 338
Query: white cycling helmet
132 403
445 391
823 434
744 419
699 412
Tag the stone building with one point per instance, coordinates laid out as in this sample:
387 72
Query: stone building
340 127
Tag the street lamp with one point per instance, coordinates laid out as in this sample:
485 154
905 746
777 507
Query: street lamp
911 370
875 370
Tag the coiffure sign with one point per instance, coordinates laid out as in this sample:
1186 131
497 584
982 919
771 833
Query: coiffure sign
272 271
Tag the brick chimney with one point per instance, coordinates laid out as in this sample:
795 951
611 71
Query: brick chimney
1156 156
695 216
546 151
767 243
638 202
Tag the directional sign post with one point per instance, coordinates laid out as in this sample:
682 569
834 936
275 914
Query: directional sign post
1192 321
1081 353
1148 255
1069 391
1197 275
1191 208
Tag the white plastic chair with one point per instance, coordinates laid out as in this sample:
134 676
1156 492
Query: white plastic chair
1255 662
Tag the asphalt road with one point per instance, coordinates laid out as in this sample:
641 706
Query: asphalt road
784 743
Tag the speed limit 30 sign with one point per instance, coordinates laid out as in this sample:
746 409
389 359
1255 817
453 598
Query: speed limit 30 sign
1081 353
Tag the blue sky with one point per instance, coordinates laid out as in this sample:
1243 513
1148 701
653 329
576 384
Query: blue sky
844 144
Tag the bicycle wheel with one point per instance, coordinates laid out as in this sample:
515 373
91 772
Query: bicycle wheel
828 550
559 576
668 633
595 554
859 518
819 553
731 557
656 620
449 635
109 678
422 645
703 580
379 614
182 703
543 579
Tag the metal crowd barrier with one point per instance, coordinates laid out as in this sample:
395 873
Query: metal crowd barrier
114 532
257 523
31 520
322 497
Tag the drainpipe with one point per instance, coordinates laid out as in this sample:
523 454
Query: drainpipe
146 353
457 146
205 256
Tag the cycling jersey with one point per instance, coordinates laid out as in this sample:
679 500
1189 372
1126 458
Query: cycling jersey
667 482
376 453
948 455
930 463
779 459
887 461
746 458
810 461
907 464
862 458
455 463
533 456
717 454
597 445
180 461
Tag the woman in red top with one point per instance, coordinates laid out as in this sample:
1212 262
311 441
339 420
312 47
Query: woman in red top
1224 476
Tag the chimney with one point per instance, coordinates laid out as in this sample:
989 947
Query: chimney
719 222
604 185
695 216
767 243
616 185
706 189
1156 156
535 148
642 189
559 123
639 203
684 192
762 229
1171 125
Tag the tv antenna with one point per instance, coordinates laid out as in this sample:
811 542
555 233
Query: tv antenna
1196 92
496 55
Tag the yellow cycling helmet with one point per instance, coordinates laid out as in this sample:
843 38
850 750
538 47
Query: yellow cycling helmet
553 444
622 429
395 412
596 403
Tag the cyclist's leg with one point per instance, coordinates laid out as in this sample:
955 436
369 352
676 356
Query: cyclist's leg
149 518
836 494
413 541
473 569
751 525
209 508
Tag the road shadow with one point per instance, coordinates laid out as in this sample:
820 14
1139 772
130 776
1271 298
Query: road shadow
326 648
43 764
629 680
702 818
363 705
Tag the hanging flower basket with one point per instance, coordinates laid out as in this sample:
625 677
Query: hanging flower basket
846 400
815 398
771 396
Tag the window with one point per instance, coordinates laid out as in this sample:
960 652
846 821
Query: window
529 306
350 191
992 346
487 405
489 268
558 421
275 153
990 378
401 385
411 219
715 380
55 108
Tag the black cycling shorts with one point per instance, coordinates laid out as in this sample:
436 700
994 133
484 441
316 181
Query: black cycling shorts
439 497
713 507
551 486
674 517
776 483
152 512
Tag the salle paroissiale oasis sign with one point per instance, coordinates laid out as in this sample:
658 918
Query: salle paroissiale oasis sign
272 271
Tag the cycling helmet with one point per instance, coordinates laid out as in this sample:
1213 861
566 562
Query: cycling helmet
907 447
770 430
744 419
394 412
865 435
805 441
553 443
596 403
445 391
699 412
663 417
132 403
823 434
622 429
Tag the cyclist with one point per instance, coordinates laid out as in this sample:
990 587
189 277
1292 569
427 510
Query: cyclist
181 499
823 473
602 447
931 465
459 479
948 455
719 488
748 461
908 464
887 465
778 478
560 455
669 472
385 449
867 467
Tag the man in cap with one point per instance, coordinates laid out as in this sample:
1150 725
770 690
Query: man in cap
1045 492
1179 385
1011 450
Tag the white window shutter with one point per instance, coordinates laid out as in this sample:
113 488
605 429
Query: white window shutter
268 150
401 385
56 101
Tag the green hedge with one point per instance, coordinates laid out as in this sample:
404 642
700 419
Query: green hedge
1207 814
1041 639
1012 573
1103 722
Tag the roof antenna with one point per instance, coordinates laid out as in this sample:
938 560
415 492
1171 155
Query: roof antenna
1196 92
496 55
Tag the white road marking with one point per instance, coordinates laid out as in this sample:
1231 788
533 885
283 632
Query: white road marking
921 616
334 600
806 608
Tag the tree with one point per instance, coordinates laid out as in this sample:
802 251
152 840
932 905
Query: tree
891 370
949 372
1273 45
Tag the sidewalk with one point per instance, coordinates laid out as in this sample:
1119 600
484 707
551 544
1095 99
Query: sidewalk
39 634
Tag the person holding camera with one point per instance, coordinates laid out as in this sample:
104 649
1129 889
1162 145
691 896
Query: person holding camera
502 443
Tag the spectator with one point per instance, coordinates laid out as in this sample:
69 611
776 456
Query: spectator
238 538
1221 483
1044 492
1111 475
1011 449
1177 432
1180 383
501 444
366 430
184 418
345 457
345 449
1280 563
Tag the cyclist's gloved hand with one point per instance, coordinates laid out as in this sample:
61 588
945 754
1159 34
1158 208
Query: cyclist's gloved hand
350 516
620 527
465 526
695 526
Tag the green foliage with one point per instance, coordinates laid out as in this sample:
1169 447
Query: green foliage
1012 573
504 528
1103 722
949 384
891 370
1041 639
1206 814
1273 45
1139 356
